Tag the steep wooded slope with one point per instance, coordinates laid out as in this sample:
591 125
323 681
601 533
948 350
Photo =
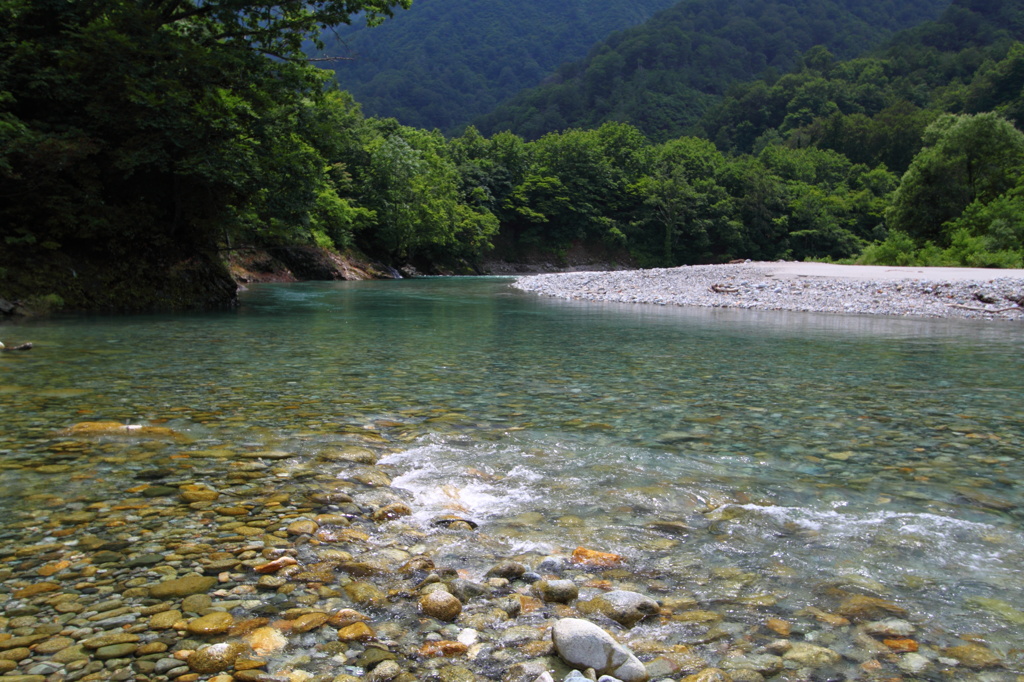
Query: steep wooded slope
448 61
873 109
661 76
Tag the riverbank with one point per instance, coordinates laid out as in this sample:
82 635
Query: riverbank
804 287
56 283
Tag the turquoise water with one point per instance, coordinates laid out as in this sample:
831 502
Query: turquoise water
883 456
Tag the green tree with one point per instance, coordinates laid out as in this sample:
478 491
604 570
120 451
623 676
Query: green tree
966 159
447 62
999 86
578 188
684 203
758 200
664 75
414 190
489 170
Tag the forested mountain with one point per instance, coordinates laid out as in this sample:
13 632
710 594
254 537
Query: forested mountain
448 61
942 105
809 164
663 75
141 141
874 108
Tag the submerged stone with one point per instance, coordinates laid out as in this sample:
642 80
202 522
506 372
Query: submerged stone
215 623
765 664
356 632
443 648
594 559
999 608
110 640
708 675
216 657
506 569
559 591
441 605
624 607
193 493
308 622
913 664
974 656
183 587
302 527
861 607
266 640
675 662
810 655
890 627
33 590
365 593
115 651
118 429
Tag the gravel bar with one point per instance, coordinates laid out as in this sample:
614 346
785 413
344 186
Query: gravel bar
805 287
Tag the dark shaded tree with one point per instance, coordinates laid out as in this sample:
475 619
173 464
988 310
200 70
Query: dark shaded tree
137 136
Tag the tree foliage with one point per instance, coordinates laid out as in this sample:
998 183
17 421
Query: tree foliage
663 75
140 133
683 201
875 108
449 61
962 200
967 159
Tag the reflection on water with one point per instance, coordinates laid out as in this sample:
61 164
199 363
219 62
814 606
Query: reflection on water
810 450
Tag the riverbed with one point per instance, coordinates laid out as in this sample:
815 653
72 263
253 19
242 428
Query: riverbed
768 477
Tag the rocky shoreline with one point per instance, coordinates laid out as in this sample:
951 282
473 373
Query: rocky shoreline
801 287
256 565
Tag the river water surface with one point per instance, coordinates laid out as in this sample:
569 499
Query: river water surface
763 458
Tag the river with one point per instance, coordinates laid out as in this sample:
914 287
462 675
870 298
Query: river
762 459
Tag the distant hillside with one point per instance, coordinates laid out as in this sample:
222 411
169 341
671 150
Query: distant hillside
444 62
663 75
873 109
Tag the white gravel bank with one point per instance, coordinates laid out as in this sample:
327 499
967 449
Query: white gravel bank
808 287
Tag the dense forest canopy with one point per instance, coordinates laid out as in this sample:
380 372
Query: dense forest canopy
449 61
662 75
141 143
134 135
875 107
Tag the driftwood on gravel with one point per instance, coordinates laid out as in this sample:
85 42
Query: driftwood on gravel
724 289
985 310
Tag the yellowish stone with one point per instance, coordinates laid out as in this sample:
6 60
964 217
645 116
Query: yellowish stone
302 527
358 631
216 623
197 493
309 621
33 590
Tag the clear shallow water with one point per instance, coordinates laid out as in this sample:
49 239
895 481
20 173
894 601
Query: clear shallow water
804 453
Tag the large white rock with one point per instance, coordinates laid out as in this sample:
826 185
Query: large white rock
582 645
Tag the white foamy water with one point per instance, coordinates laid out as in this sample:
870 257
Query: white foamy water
535 494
